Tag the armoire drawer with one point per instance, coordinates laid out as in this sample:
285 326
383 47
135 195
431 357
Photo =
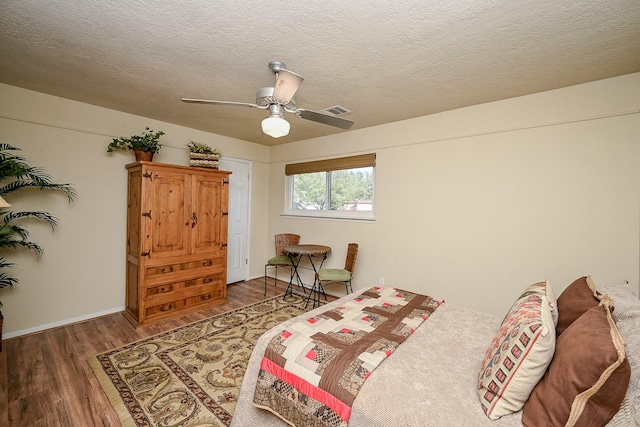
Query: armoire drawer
183 303
165 269
213 281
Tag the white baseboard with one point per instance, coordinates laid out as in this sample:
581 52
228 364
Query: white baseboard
65 322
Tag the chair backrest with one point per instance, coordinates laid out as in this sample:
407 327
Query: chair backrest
352 254
285 239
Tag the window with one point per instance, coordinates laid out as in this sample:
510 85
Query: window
333 188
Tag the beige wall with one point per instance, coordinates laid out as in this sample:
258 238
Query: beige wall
82 271
472 205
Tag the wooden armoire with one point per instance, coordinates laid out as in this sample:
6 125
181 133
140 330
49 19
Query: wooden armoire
177 219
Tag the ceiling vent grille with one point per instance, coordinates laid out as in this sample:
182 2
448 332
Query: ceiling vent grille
336 110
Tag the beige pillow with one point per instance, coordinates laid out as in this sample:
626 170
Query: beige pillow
587 378
519 354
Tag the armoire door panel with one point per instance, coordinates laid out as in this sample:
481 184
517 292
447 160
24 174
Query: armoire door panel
168 213
207 207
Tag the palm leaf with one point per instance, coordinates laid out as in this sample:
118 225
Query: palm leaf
16 244
42 215
6 281
8 147
25 175
68 189
17 173
15 236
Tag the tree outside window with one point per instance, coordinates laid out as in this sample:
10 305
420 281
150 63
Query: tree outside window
349 190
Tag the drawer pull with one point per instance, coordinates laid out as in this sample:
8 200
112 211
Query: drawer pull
207 263
205 297
167 270
166 307
165 289
207 280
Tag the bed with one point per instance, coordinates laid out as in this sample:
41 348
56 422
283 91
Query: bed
446 354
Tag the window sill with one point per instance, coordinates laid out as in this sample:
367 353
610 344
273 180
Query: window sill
331 217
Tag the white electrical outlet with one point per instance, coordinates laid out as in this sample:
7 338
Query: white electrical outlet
381 281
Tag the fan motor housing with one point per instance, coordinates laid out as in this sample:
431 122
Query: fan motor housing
264 98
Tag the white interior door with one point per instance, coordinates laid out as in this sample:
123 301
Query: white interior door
237 243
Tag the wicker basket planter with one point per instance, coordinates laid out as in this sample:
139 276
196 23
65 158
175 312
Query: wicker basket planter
201 160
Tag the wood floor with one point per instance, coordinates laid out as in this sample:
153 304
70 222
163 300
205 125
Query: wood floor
45 379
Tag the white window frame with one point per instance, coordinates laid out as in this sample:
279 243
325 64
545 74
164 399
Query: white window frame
328 214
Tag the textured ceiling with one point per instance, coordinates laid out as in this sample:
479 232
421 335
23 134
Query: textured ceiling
385 60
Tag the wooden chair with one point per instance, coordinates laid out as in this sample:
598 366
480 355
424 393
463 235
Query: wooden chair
281 259
326 276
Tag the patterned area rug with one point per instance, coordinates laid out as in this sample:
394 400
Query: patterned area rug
189 376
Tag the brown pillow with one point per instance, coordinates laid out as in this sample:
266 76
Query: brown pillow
587 378
576 300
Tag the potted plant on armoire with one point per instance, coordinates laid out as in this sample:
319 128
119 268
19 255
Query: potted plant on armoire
143 146
203 156
16 173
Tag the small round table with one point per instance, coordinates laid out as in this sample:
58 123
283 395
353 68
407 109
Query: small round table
296 253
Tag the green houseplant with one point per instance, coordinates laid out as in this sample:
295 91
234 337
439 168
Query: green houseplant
16 173
144 146
202 155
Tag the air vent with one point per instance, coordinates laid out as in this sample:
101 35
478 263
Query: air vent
336 110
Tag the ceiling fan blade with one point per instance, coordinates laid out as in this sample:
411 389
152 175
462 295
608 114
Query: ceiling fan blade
237 104
287 85
324 118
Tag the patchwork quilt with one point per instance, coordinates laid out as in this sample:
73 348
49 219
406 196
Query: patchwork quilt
311 372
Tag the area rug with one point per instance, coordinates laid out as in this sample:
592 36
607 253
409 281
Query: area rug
189 376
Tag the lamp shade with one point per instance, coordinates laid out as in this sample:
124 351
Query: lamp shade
275 126
4 204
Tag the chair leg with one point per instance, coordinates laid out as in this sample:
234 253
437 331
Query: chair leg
348 287
275 278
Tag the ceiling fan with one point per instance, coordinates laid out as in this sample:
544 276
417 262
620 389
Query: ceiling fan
279 99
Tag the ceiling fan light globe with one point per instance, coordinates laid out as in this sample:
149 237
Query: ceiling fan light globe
275 127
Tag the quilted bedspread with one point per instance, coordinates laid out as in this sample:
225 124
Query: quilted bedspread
312 371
